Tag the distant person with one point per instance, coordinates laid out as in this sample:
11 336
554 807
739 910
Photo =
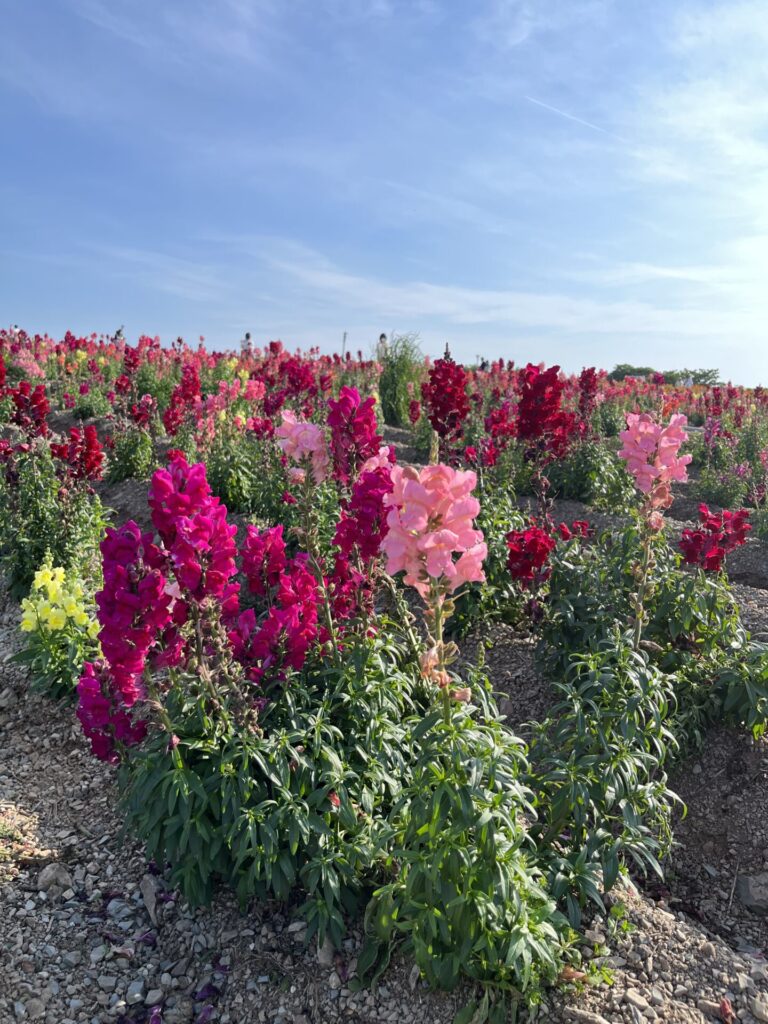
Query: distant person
246 345
382 349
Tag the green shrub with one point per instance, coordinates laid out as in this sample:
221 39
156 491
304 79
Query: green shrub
592 472
132 457
401 376
466 895
40 517
295 802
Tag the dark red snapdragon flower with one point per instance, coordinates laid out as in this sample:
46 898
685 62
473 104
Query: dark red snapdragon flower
587 393
529 552
183 398
444 395
83 454
30 408
578 528
718 535
541 421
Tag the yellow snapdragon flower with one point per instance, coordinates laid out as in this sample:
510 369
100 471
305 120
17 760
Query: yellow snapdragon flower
42 578
57 619
44 610
28 622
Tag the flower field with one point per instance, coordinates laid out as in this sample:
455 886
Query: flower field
278 596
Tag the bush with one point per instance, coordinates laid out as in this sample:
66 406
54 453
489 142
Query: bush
497 599
592 473
293 803
598 770
60 631
132 457
466 894
401 376
42 517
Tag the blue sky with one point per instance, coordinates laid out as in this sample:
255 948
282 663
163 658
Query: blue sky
578 181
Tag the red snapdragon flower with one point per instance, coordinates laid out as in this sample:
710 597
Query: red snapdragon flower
183 398
30 408
83 454
718 535
540 419
529 552
444 395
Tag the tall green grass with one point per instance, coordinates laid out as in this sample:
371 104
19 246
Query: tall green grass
403 365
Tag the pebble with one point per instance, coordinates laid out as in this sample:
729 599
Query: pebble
636 999
135 992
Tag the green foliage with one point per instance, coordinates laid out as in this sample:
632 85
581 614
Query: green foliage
598 772
294 803
609 419
497 599
402 373
38 516
133 456
465 894
592 472
598 761
155 380
92 405
721 487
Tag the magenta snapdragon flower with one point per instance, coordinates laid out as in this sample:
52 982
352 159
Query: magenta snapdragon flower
353 427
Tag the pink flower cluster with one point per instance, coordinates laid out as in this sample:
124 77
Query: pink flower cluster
430 520
650 451
353 433
304 443
290 592
133 609
363 523
263 558
193 526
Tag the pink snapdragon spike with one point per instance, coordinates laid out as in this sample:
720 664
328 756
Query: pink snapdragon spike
104 720
193 526
430 520
353 433
302 441
134 608
363 523
651 452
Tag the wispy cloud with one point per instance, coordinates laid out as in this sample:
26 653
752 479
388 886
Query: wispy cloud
572 117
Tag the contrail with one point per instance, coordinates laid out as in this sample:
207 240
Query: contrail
570 117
